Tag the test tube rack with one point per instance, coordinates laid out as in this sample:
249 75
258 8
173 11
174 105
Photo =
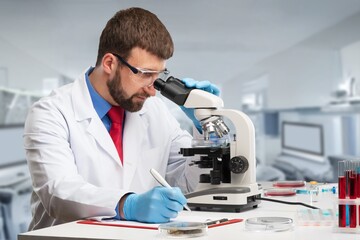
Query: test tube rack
348 203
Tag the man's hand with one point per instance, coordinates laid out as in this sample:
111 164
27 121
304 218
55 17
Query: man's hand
155 206
203 85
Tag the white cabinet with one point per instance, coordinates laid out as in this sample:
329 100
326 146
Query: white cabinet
303 78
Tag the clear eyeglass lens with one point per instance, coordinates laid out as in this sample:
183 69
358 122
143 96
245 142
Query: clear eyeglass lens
143 78
163 75
147 78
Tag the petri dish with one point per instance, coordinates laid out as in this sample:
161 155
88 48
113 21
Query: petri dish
183 229
202 143
212 142
283 192
269 224
289 184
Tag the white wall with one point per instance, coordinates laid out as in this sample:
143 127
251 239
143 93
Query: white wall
299 77
22 70
303 77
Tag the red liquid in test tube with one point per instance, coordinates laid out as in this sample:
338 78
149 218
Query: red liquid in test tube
352 195
342 193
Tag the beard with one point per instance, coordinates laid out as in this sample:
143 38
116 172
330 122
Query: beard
118 94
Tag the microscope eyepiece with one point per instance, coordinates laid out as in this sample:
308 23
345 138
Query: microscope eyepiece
159 84
173 89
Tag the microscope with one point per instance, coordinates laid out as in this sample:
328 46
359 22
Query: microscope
231 184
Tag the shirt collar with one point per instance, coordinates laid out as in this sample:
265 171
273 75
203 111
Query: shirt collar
101 106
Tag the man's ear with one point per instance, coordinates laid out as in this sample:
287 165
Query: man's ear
109 63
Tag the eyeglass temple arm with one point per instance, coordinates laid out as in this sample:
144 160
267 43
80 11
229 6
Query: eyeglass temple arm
134 70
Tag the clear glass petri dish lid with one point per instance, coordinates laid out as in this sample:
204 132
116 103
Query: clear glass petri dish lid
183 229
269 224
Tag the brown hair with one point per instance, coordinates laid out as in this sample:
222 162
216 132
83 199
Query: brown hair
135 27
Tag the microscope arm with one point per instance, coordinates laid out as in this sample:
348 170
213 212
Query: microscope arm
201 99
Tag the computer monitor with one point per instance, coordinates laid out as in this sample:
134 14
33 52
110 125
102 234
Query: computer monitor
304 140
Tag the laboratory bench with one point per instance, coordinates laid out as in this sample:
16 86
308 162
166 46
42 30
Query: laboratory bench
302 230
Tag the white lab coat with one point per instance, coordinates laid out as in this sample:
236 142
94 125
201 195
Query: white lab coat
74 165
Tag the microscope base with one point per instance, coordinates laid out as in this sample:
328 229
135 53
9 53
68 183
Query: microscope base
229 199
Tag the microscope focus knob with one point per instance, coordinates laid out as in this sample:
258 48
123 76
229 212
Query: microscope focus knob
239 164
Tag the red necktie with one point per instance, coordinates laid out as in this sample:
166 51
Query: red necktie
116 115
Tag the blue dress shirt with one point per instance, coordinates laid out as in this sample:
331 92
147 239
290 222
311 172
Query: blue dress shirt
101 106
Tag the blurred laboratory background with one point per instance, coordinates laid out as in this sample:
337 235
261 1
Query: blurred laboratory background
292 66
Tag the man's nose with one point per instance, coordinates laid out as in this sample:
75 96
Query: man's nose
150 90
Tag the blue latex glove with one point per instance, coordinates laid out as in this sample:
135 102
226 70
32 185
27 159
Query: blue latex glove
204 85
155 206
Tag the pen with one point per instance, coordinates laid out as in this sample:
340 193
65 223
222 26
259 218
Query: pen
216 221
163 183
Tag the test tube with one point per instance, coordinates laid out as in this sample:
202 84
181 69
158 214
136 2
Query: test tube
352 192
342 193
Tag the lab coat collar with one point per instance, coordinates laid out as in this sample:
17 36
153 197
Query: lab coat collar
81 100
86 115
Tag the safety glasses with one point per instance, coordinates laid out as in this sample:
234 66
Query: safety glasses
144 77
